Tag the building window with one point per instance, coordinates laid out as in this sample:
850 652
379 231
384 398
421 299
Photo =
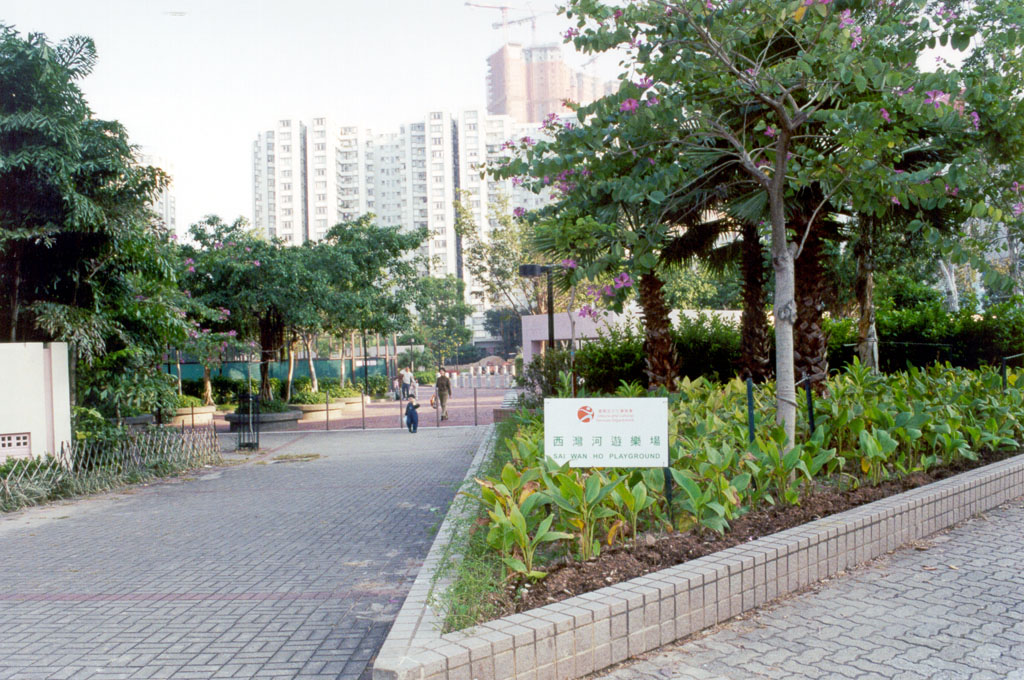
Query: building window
321 172
319 146
286 186
318 121
285 123
436 115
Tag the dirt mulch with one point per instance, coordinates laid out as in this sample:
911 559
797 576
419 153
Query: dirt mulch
654 552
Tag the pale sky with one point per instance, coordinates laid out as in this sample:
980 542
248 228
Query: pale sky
194 81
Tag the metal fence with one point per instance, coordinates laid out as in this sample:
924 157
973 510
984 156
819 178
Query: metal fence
86 466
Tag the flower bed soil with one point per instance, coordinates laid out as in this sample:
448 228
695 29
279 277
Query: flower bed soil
653 552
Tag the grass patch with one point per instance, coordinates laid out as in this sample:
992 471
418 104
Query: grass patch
476 574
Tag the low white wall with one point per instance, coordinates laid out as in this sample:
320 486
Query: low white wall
35 398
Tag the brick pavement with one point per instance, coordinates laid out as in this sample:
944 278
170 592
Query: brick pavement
953 610
283 569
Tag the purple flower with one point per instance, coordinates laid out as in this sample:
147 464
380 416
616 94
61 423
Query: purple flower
855 37
571 33
191 270
846 18
618 14
569 263
256 263
189 260
900 93
608 292
547 179
652 101
218 245
651 161
885 116
769 131
516 181
895 201
174 237
519 211
623 280
587 310
232 333
936 97
528 141
586 172
975 119
629 106
1018 209
645 83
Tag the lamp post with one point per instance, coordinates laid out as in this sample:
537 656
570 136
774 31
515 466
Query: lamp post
535 270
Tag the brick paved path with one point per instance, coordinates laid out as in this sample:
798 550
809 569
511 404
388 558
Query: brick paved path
280 570
955 610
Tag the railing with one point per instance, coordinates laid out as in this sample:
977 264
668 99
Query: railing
85 466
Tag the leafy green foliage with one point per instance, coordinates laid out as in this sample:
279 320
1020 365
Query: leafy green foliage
873 427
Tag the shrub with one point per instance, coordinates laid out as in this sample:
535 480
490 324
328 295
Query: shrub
617 354
707 347
426 377
266 406
192 387
541 375
310 397
226 389
189 401
302 385
379 385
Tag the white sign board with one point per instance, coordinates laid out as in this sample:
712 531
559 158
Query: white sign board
612 432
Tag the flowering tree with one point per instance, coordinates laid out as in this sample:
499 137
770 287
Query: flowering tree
812 101
616 196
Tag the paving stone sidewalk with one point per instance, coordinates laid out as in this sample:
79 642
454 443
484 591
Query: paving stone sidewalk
285 569
951 608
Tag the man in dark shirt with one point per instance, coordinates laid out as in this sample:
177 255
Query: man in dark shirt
443 388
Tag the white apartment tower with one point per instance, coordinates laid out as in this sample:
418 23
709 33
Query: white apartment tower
280 189
310 175
163 203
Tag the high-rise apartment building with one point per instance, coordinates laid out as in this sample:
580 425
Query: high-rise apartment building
530 83
310 175
163 203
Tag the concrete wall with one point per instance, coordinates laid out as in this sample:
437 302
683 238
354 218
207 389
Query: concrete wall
35 398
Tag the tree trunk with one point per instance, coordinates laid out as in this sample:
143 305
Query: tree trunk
867 335
784 308
659 347
271 340
952 293
755 344
177 362
207 387
307 339
810 344
291 370
15 295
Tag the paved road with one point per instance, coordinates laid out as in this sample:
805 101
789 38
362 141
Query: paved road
954 610
285 569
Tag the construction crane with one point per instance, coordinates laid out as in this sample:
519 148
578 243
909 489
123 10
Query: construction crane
504 15
532 19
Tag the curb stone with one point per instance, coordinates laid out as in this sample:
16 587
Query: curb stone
592 631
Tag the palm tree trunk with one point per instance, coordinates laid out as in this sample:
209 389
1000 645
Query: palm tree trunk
755 343
659 347
810 350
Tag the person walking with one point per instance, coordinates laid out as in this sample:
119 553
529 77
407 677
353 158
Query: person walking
406 375
443 389
412 417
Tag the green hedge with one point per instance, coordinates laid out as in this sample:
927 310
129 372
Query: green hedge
707 347
926 334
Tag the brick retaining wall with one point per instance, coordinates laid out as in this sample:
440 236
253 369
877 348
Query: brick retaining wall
589 632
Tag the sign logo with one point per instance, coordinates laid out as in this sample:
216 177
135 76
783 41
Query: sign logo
585 414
